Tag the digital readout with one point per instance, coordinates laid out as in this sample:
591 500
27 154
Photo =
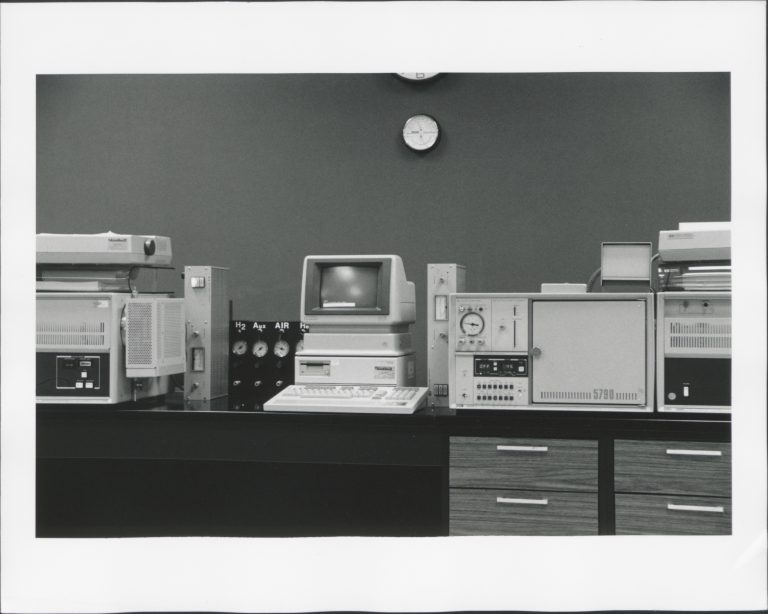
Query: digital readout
501 366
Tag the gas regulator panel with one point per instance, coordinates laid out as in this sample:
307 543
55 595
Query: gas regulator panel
581 351
261 360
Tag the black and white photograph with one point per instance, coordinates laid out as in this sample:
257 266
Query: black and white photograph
323 323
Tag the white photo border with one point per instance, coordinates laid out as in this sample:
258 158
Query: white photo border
383 574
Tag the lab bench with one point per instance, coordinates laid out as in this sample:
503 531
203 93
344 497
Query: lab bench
163 469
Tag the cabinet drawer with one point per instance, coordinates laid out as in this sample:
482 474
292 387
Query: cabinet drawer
515 512
673 467
538 464
672 515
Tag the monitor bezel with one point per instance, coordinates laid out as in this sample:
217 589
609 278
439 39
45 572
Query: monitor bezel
313 274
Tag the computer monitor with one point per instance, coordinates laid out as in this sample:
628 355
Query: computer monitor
356 292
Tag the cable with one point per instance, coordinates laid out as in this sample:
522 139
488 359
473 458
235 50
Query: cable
130 285
592 278
655 277
596 274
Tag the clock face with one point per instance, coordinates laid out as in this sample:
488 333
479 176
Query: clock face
282 348
417 76
421 132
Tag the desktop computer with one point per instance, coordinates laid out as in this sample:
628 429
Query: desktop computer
358 310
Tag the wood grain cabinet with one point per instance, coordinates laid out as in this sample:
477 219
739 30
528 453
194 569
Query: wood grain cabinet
503 486
672 488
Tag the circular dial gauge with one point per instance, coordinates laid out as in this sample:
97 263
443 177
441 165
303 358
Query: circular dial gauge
299 345
472 324
282 348
417 76
240 347
260 349
421 132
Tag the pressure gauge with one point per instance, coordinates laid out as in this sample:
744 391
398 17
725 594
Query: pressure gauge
239 347
472 324
299 345
421 132
260 349
282 348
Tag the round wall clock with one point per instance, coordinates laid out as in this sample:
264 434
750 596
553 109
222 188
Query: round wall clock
417 76
421 132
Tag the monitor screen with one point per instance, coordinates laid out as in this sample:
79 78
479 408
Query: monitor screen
349 286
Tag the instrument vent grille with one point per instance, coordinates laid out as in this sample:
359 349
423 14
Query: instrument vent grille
710 336
591 396
139 350
68 334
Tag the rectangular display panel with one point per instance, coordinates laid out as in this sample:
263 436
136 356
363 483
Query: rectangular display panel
349 286
72 375
501 366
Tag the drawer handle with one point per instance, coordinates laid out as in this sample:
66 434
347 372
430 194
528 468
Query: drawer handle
522 501
716 509
695 452
522 448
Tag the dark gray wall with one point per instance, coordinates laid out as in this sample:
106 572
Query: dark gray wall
253 172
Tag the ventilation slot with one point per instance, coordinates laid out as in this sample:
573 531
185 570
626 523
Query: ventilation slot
699 336
71 334
139 334
556 395
626 396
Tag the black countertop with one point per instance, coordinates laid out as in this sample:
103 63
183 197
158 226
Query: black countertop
174 410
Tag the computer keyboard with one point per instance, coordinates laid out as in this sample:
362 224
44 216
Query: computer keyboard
348 399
